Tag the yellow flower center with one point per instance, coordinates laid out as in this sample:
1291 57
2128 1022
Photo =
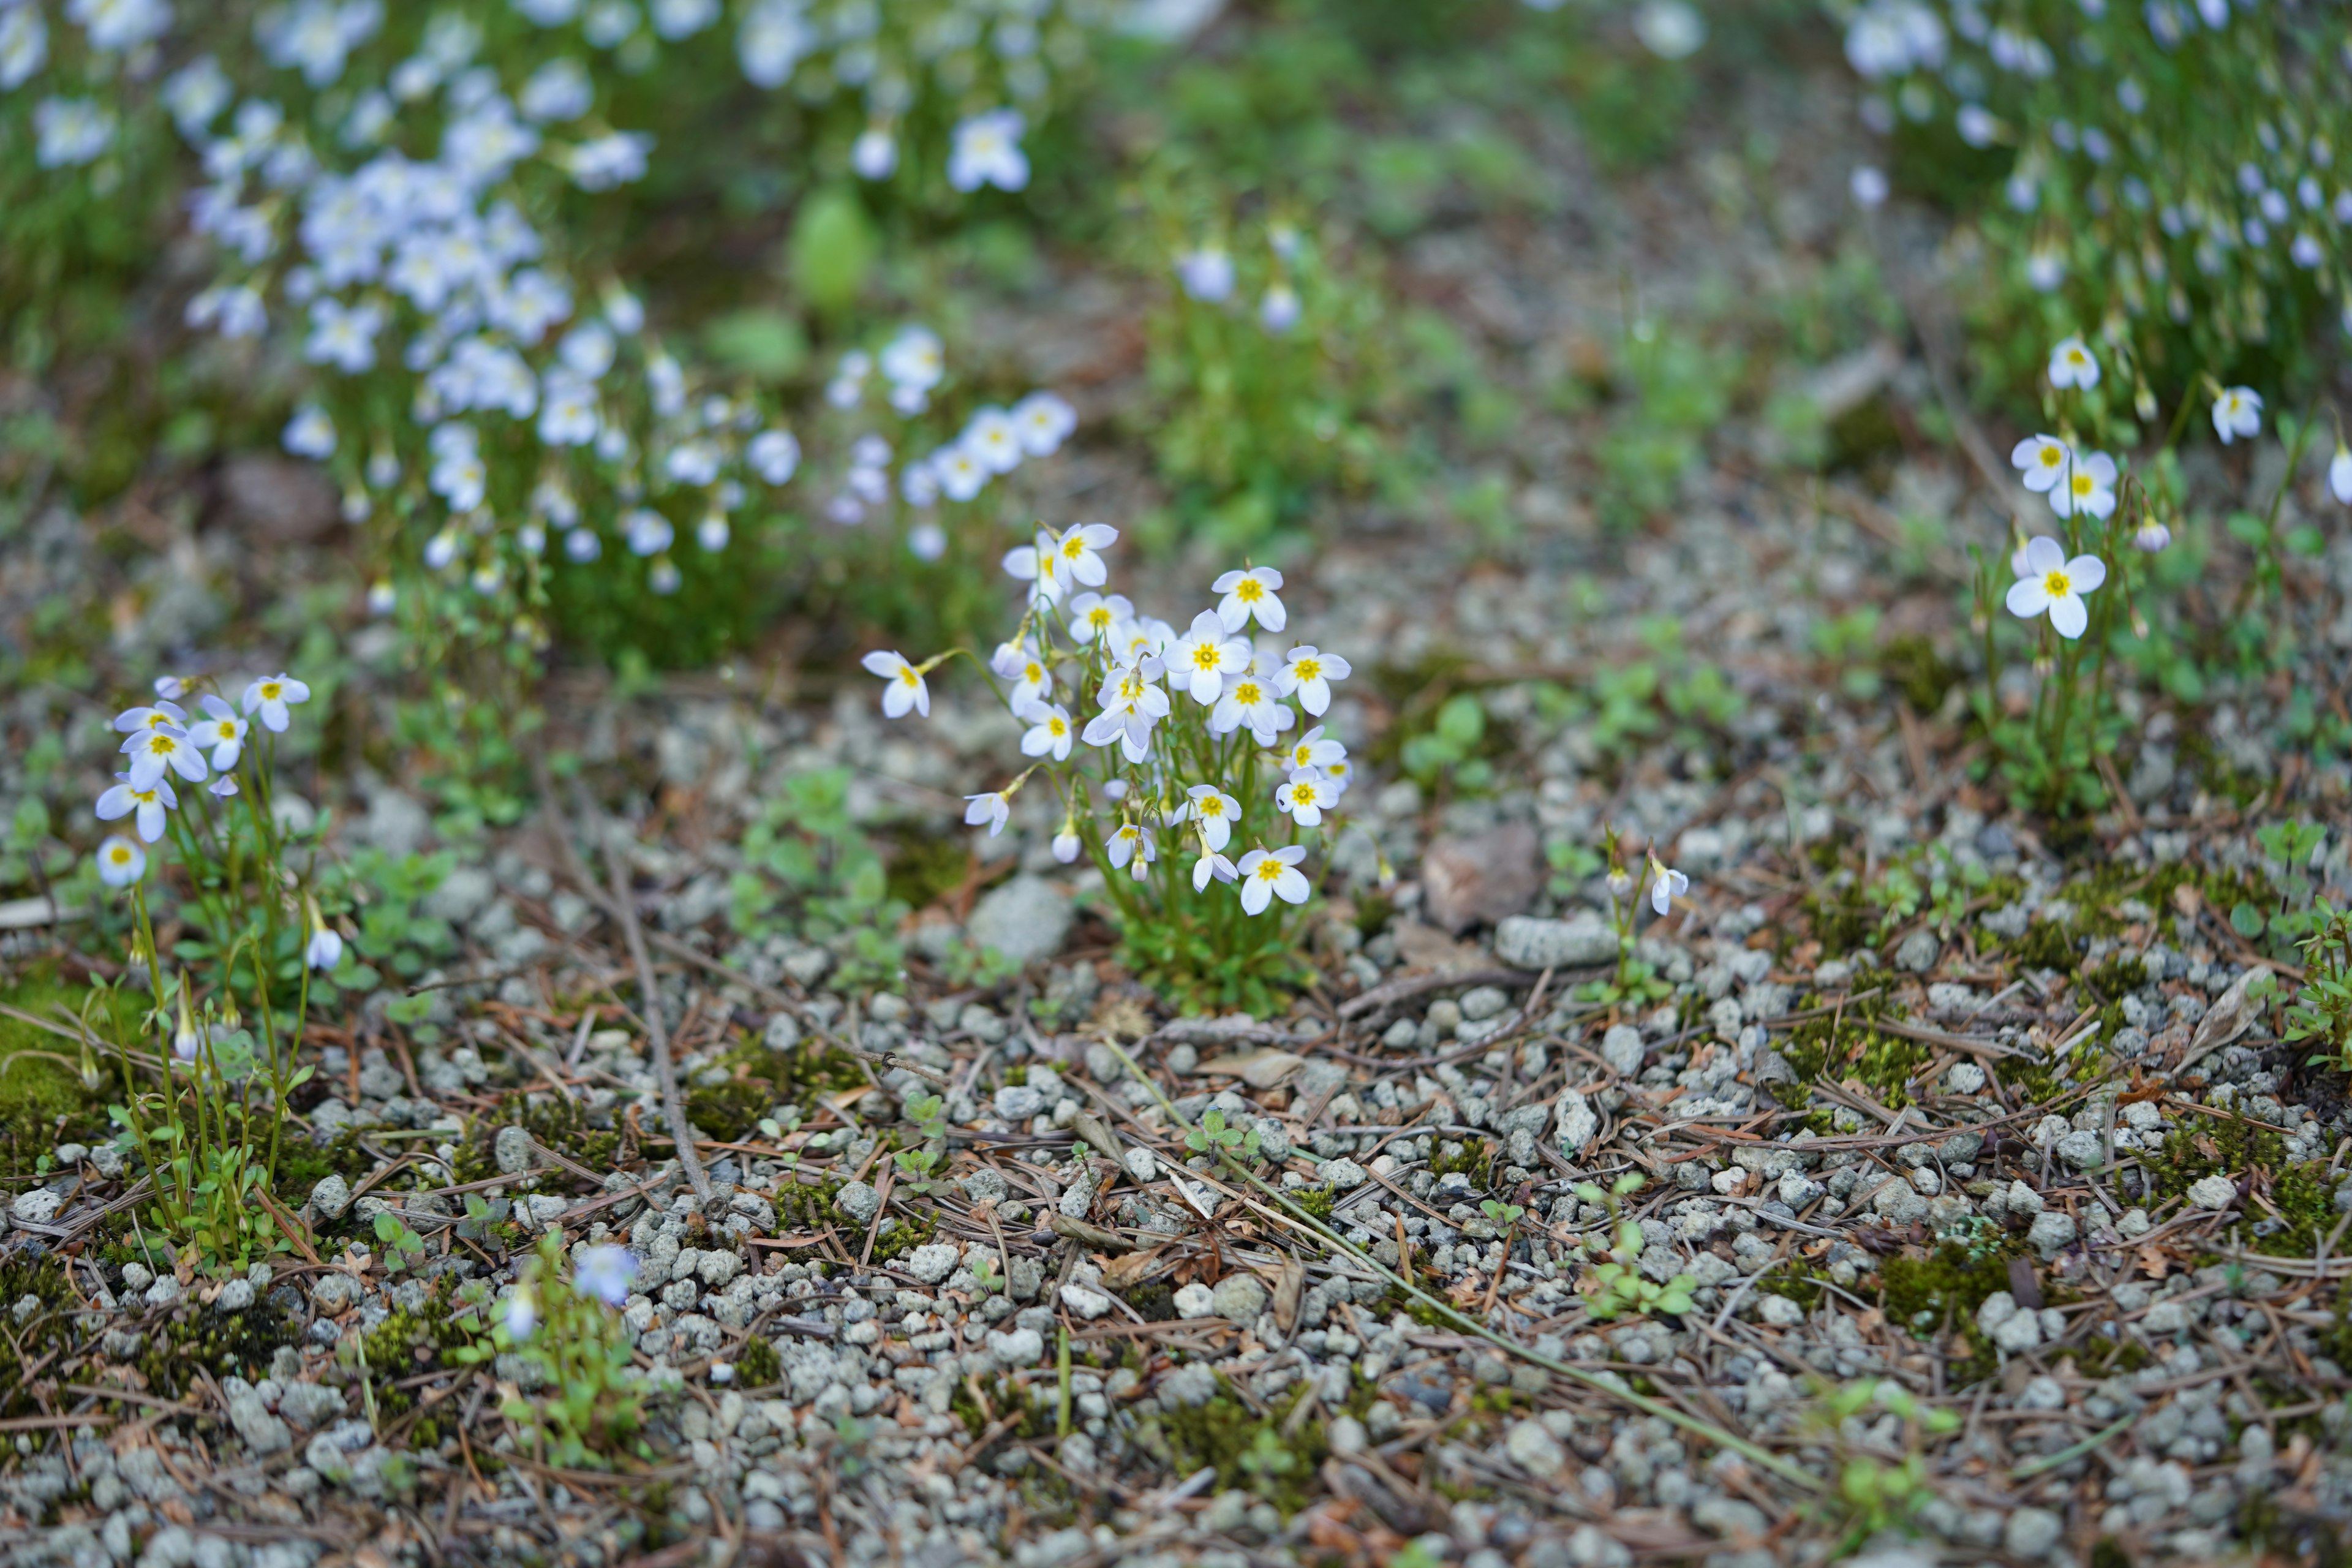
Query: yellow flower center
1247 694
1308 668
1248 591
2083 484
906 674
1073 548
2051 457
1055 725
1204 657
2057 584
1269 869
162 745
1212 807
1098 618
1302 795
1036 673
271 690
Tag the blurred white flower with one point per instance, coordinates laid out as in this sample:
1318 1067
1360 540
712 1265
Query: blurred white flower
2047 581
2238 411
121 862
903 685
874 154
2072 364
70 132
1670 30
2089 486
310 434
987 151
1206 273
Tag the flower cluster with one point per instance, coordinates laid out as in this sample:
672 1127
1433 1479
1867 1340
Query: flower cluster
1182 737
2208 197
161 740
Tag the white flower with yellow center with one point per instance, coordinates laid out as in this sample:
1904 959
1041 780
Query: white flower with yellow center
2237 412
903 685
1269 874
1132 705
1143 640
1249 699
2042 459
1211 864
994 808
164 714
1666 885
1308 675
166 748
1078 553
993 440
1306 795
960 472
272 696
1050 732
1019 663
1044 422
2072 365
2048 581
1095 616
144 803
1247 593
987 151
2339 474
1131 841
1216 811
2089 486
1038 565
1201 658
221 730
1318 750
121 862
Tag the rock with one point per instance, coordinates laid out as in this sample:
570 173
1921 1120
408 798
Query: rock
278 500
1534 1449
38 1207
1918 952
2051 1232
1576 1121
1622 1048
2082 1151
859 1201
2001 1321
1017 1102
263 1432
107 1160
546 1208
511 1149
1966 1078
1778 1312
330 1197
1468 881
334 1291
1730 1517
164 1293
396 823
234 1297
1085 1302
1192 1384
464 893
718 1267
1344 1174
1026 920
1900 1204
985 1186
934 1262
2031 1533
1238 1296
1524 941
2213 1193
1141 1164
1195 1301
1016 1347
310 1404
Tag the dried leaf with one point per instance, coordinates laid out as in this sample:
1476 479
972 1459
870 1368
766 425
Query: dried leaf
1259 1069
2231 1015
1134 1268
1098 1133
1287 1284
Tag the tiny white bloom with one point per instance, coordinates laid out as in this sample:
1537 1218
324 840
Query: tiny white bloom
2151 537
325 949
1249 701
221 730
606 1272
1307 675
904 687
2042 459
164 714
1206 273
773 454
272 696
875 155
165 747
520 1316
1216 811
1669 885
2237 412
2051 582
121 862
2089 486
1306 795
1079 553
1050 732
144 803
1318 750
993 440
1131 841
1043 422
223 787
987 151
310 432
2340 475
1277 312
994 808
2072 364
1247 593
1266 874
1066 846
1095 616
1201 660
1209 865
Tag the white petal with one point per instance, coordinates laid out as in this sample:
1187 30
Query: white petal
2069 615
2027 597
2086 573
2043 554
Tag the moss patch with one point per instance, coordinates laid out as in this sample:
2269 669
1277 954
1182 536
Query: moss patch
1249 1451
563 1125
760 1079
1846 1045
42 1100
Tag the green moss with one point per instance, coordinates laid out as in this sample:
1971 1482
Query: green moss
900 1234
760 1079
1838 917
1247 1450
1912 666
1944 1290
414 1340
1001 1396
2300 1193
926 868
1156 1301
565 1126
804 1206
757 1365
303 1164
1473 1157
43 1101
1846 1045
1316 1201
222 1343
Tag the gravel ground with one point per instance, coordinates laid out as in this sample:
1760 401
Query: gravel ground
2030 1155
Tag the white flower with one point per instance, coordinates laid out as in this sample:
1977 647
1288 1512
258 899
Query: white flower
344 336
121 862
1211 864
1131 841
1670 30
874 154
144 803
914 360
2151 537
1202 657
605 161
310 434
521 1315
24 46
1247 593
606 1272
165 748
1049 733
325 949
2051 582
1094 617
165 714
1667 886
1268 873
1034 564
1249 701
962 475
773 37
1066 845
1130 706
567 415
221 730
2237 412
1078 553
994 808
2072 364
1306 795
1043 422
272 696
223 787
70 132
905 686
987 151
2340 475
557 92
2089 486
1318 750
993 440
1868 186
647 531
2043 460
1308 675
773 454
1216 811
1206 273
1277 312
